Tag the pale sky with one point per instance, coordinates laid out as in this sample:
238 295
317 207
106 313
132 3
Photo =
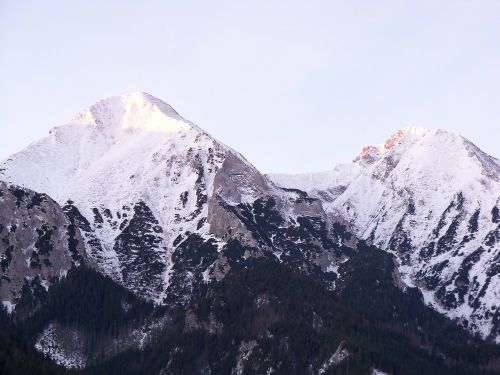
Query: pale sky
295 86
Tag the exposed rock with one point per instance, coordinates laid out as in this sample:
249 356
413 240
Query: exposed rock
38 242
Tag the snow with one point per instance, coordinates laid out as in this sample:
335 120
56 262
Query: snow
72 356
9 306
206 275
341 175
66 345
143 336
130 149
118 152
337 357
244 352
136 148
428 168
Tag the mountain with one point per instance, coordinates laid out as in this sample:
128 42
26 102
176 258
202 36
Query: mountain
158 201
172 254
161 208
432 198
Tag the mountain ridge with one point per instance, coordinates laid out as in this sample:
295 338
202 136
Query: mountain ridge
165 212
423 189
129 171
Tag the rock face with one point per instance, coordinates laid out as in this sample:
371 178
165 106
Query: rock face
151 192
38 243
432 198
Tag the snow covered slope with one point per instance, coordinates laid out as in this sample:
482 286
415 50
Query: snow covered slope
134 174
433 198
152 194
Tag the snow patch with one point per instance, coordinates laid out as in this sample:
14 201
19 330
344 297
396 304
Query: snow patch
339 356
9 306
70 354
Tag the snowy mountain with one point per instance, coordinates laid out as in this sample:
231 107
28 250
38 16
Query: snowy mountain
432 198
129 235
145 186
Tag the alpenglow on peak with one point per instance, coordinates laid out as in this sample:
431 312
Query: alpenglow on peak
135 111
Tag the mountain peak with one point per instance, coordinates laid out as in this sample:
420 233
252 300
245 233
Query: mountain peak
395 138
430 197
369 154
409 136
135 111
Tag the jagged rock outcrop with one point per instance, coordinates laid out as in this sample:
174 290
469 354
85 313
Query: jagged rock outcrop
38 243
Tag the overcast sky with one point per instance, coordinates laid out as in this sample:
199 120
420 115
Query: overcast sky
294 86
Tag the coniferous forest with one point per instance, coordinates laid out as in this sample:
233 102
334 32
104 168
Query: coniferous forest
297 323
